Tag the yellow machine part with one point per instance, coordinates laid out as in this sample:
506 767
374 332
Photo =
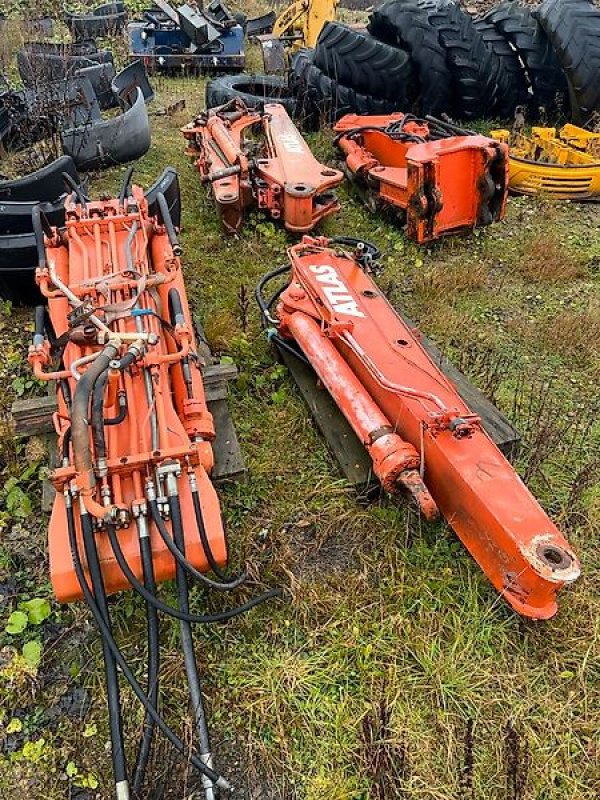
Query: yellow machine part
563 164
303 20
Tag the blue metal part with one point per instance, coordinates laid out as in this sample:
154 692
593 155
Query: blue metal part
163 45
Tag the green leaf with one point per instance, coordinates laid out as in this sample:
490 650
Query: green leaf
17 622
38 609
32 653
90 730
14 726
71 769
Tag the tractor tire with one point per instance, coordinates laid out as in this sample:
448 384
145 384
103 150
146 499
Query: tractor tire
405 24
332 100
254 90
513 86
473 66
300 62
542 66
573 27
355 58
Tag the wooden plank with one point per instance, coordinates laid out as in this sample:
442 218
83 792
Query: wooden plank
33 417
229 461
345 445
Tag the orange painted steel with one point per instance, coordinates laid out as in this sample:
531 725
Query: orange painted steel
99 299
280 175
413 422
442 185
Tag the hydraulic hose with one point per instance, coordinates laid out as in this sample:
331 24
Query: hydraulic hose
239 579
70 182
167 221
179 555
177 317
125 186
98 416
187 642
202 619
128 674
122 398
81 402
39 330
112 680
258 292
40 226
153 656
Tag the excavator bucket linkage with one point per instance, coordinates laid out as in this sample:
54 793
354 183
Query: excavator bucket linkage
422 438
443 179
280 174
134 502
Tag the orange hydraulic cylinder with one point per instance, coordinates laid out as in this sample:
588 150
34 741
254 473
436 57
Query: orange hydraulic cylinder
390 453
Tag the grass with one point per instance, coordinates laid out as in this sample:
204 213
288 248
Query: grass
391 669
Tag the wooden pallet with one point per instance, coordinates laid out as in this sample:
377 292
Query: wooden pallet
33 417
345 445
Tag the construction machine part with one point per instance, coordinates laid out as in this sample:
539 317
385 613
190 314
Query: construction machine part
512 86
473 67
259 25
573 27
405 24
523 32
134 503
422 438
163 45
168 186
253 90
128 80
68 102
105 20
43 62
564 163
354 58
18 198
280 175
442 183
297 26
100 76
117 140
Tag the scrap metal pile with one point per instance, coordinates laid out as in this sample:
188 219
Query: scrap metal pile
135 505
134 502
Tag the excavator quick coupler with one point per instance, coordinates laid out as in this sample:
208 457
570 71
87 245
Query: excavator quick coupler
275 171
134 503
421 436
442 179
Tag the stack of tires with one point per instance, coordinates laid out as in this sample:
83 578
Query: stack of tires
435 58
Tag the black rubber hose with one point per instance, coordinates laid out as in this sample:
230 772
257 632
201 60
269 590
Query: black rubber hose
203 619
37 219
112 679
187 637
128 674
71 184
98 416
258 292
179 555
210 557
39 329
81 402
66 443
177 317
125 186
122 410
167 221
153 657
126 361
351 241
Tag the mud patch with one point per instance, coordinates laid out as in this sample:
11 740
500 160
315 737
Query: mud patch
312 556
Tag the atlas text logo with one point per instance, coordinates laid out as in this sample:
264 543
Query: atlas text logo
336 291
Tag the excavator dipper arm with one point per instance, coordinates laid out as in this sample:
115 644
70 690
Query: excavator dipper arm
417 429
